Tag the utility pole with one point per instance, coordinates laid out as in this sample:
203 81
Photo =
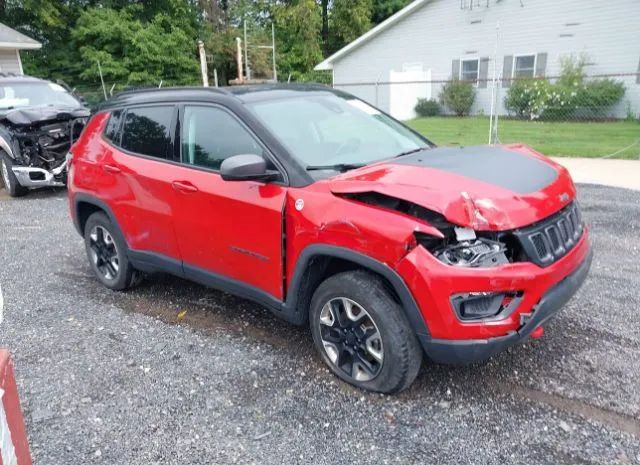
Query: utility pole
203 64
239 59
104 89
246 53
273 46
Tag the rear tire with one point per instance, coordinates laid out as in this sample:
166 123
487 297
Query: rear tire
362 333
11 184
107 253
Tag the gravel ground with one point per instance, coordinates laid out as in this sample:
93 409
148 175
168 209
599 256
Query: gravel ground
120 378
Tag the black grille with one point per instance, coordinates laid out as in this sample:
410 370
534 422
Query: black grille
550 239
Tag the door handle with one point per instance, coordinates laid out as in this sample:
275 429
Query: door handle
184 186
111 169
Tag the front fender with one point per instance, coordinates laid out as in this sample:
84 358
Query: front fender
7 145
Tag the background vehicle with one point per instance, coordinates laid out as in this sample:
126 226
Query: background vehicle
331 213
39 120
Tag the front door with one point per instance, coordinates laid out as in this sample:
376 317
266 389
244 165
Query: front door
228 229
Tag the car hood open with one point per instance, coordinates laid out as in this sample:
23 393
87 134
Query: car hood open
493 188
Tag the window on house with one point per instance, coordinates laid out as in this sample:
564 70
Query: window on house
469 70
524 66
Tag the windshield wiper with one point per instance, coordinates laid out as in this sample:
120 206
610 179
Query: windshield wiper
409 152
341 167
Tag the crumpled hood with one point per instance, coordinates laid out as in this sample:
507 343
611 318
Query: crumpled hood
493 188
41 114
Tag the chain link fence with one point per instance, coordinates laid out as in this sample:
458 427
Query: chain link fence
571 114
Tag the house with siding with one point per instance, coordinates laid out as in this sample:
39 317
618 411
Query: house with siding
414 52
11 42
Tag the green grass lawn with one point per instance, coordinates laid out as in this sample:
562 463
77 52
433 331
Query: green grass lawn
570 139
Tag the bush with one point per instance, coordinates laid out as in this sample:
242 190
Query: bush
539 98
528 98
601 94
426 107
458 96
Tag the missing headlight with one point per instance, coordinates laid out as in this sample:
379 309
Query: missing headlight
471 253
480 252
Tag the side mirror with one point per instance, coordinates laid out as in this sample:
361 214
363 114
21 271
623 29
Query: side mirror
246 168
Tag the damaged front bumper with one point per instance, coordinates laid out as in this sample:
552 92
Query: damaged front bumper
32 177
460 352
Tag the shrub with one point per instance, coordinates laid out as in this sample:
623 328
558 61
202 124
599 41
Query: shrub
601 94
539 98
426 107
529 98
458 96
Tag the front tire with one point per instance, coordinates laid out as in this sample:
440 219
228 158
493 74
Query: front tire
107 252
11 184
361 332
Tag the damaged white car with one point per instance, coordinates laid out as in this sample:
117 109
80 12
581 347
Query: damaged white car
39 121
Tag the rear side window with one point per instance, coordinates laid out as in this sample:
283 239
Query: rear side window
147 130
112 131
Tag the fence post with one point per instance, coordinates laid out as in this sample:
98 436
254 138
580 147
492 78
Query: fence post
493 126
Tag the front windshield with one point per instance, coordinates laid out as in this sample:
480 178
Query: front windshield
328 129
31 94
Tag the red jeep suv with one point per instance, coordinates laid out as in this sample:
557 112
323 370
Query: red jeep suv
329 212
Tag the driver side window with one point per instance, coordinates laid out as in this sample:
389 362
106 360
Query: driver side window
211 135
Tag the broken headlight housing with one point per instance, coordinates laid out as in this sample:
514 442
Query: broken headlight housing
462 247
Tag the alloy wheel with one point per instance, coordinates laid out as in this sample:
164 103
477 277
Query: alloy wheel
351 339
104 252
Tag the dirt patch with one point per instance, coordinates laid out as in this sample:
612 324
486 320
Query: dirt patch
621 422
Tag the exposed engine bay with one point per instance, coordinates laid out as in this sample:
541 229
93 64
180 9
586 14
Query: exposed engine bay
460 246
38 140
480 252
45 144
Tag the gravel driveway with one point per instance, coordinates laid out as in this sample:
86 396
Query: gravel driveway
129 378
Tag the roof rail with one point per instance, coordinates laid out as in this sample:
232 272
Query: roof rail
144 90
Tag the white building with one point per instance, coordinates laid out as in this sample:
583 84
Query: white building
433 40
11 42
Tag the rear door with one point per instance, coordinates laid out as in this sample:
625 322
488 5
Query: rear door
139 166
226 229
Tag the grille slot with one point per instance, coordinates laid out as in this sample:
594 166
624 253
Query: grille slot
549 240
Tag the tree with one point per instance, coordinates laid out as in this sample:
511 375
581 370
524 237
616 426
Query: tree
349 20
132 52
299 26
382 9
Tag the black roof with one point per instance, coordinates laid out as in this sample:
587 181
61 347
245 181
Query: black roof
238 94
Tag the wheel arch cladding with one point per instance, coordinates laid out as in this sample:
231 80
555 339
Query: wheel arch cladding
85 206
318 262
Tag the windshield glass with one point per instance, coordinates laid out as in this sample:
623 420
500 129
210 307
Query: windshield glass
30 94
327 129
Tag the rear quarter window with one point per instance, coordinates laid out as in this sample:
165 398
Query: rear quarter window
147 130
112 131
